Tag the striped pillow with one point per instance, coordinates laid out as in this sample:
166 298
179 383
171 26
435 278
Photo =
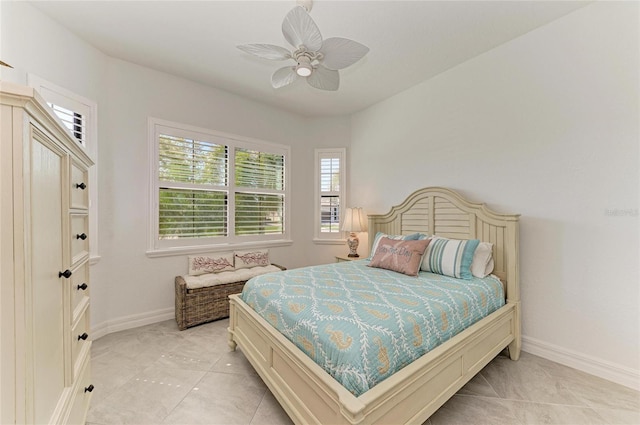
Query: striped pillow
450 257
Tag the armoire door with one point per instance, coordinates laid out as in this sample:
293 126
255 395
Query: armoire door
47 287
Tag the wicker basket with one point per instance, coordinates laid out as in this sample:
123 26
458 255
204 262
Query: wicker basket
202 305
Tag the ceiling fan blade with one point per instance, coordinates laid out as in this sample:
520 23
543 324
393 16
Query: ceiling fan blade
324 79
341 52
299 29
283 77
266 51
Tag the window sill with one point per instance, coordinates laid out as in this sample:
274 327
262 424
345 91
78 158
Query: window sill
186 250
329 241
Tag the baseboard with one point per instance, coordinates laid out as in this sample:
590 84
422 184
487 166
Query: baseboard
129 322
610 371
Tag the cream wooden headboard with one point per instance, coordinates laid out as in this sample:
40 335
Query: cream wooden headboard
443 212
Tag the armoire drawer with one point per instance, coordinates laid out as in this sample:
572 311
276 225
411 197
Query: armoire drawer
80 339
79 190
79 237
79 290
82 396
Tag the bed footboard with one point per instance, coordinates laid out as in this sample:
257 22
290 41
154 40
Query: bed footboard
310 395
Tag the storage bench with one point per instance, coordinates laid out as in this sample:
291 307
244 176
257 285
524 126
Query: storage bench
195 306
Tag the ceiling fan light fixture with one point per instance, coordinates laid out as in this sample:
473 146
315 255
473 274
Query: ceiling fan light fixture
304 68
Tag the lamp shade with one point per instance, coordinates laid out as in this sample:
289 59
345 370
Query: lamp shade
354 220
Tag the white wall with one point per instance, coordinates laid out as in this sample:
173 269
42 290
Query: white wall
32 43
545 126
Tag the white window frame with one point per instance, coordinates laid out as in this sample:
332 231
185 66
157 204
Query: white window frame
320 237
166 247
60 96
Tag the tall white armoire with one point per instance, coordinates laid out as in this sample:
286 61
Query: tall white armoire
45 374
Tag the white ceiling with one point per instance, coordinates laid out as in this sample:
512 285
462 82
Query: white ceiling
410 41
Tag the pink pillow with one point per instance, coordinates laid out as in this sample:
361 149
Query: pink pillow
400 256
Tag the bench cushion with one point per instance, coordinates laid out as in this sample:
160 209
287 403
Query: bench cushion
213 279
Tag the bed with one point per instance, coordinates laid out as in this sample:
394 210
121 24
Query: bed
310 395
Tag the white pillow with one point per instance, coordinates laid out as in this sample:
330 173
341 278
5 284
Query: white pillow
482 263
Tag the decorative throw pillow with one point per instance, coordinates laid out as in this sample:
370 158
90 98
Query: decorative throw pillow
210 263
401 256
248 259
482 263
380 235
450 257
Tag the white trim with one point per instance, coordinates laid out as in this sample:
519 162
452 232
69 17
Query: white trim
133 321
70 100
186 250
337 237
604 369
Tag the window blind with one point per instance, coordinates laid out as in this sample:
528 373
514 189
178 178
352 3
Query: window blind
259 214
330 194
330 174
192 194
74 121
192 161
260 170
261 210
192 213
330 214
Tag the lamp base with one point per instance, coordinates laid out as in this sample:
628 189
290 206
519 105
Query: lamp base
352 243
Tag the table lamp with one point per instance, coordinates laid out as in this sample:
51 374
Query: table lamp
354 221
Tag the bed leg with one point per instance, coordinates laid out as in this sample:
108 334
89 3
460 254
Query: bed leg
232 322
231 342
516 344
514 350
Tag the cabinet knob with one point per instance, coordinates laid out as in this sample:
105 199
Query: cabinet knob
89 388
81 186
83 337
83 287
67 274
82 236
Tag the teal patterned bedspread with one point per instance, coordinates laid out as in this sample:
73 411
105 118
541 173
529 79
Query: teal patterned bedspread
362 324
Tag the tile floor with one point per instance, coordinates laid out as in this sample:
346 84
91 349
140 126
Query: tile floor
157 374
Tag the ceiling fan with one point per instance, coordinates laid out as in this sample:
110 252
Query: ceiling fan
317 60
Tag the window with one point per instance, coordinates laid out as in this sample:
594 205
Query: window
80 116
330 188
73 120
211 190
